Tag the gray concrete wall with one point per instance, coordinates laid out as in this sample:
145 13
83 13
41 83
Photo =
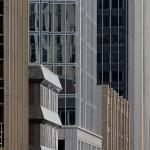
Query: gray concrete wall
139 72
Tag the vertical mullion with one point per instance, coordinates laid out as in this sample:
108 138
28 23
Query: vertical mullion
102 40
65 68
110 71
118 47
126 60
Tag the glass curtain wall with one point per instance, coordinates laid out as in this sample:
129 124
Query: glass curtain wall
53 44
112 44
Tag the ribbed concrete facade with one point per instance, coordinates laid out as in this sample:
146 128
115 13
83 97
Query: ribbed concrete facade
15 75
115 117
139 72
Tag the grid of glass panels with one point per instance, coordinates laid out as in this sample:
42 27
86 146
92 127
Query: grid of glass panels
53 43
112 44
1 76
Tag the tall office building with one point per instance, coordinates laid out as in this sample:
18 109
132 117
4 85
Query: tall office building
13 75
63 38
112 49
139 72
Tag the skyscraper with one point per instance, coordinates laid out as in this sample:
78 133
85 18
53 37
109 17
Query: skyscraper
13 74
139 72
112 44
63 38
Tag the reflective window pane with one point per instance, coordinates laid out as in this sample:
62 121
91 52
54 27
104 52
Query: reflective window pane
59 18
47 49
47 17
34 16
70 17
70 80
70 49
59 51
34 48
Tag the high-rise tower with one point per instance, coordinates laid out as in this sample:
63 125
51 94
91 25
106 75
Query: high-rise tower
63 38
13 74
112 44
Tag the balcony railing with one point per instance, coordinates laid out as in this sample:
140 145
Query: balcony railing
1 136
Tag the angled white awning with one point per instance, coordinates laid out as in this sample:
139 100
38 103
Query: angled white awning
45 148
51 116
42 73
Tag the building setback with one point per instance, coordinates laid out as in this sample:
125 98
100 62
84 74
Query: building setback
44 121
112 44
63 38
14 73
115 120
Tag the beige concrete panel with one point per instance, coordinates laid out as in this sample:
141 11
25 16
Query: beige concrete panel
16 74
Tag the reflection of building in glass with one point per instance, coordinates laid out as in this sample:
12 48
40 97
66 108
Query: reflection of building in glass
112 44
63 38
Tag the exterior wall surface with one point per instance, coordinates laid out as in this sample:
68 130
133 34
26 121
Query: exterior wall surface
139 73
15 75
115 120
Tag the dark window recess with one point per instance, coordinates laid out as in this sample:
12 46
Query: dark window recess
1 7
99 40
1 39
114 21
99 4
105 4
1 68
106 57
61 144
99 20
122 92
99 57
114 57
114 39
121 3
120 76
99 76
106 39
1 83
1 95
114 76
1 52
1 113
121 21
114 4
105 76
106 21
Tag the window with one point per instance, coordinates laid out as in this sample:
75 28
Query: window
114 39
114 21
106 57
106 39
1 51
105 4
61 144
34 47
114 4
1 68
106 21
114 76
1 95
105 76
99 4
67 110
34 16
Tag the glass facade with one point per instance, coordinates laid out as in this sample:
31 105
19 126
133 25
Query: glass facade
63 38
112 50
1 76
53 43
